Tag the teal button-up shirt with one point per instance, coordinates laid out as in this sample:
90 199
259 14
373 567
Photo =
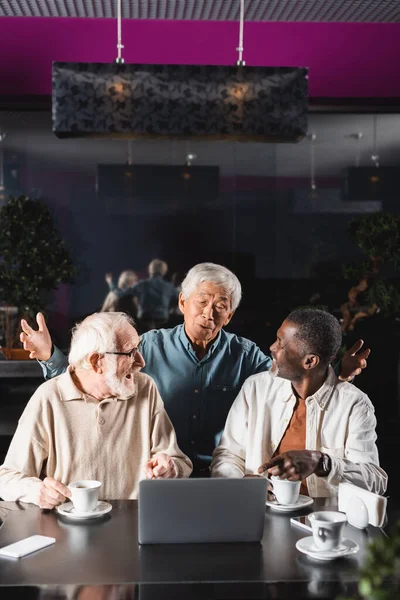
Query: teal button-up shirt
197 393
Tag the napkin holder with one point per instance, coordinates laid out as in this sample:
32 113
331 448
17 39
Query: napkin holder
349 495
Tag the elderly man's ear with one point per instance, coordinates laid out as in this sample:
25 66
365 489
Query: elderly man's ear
97 362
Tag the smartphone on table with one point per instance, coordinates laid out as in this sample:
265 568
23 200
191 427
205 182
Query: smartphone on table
303 522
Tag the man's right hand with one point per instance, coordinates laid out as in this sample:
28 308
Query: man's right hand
37 343
52 493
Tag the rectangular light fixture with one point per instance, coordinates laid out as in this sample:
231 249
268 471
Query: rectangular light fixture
260 104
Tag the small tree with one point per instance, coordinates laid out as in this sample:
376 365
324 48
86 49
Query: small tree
33 258
378 237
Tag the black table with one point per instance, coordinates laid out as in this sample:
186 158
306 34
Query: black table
101 558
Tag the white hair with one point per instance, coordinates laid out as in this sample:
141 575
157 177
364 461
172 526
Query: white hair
96 333
216 274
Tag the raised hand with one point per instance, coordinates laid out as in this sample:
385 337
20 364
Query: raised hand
37 342
161 466
353 363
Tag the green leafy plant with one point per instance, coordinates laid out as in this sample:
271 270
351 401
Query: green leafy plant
377 235
33 258
380 575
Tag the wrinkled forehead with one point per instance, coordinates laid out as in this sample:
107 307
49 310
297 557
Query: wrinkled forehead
127 338
207 288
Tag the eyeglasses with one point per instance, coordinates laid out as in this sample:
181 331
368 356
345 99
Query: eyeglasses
132 353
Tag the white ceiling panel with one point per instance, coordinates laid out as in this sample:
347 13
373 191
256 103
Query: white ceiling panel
373 11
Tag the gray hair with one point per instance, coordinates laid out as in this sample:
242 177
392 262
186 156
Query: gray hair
96 333
216 274
157 267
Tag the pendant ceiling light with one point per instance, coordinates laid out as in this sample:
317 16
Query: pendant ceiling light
264 104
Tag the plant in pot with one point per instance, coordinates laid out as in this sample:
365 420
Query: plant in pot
33 262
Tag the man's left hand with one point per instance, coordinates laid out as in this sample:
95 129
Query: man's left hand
353 363
161 466
294 465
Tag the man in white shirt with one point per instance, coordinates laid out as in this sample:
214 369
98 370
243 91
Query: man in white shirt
102 419
298 421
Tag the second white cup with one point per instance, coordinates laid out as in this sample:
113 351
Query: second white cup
285 491
85 494
327 527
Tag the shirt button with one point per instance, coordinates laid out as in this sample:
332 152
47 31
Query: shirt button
101 421
272 445
192 442
196 391
194 417
224 389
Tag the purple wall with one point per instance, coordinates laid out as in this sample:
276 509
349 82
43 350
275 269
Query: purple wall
345 59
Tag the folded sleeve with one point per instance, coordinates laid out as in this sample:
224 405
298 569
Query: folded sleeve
360 464
56 365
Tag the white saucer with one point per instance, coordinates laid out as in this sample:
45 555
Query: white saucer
67 510
307 546
301 503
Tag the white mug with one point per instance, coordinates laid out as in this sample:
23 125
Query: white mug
327 527
85 494
285 491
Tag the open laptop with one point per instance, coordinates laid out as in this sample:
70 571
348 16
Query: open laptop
186 511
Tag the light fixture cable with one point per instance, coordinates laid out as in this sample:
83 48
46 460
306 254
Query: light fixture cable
358 137
313 184
375 155
119 59
241 62
2 138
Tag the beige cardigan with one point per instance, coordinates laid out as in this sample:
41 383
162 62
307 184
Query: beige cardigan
69 436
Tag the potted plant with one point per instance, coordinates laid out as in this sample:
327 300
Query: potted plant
33 262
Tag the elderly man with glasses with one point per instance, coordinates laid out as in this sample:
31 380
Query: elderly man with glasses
102 419
198 367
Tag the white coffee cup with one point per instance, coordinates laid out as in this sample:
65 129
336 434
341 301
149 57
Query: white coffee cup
285 491
327 528
85 494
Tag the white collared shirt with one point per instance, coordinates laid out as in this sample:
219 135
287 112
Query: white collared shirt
340 422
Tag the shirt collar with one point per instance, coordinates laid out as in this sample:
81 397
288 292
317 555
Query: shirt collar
69 391
188 344
321 396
